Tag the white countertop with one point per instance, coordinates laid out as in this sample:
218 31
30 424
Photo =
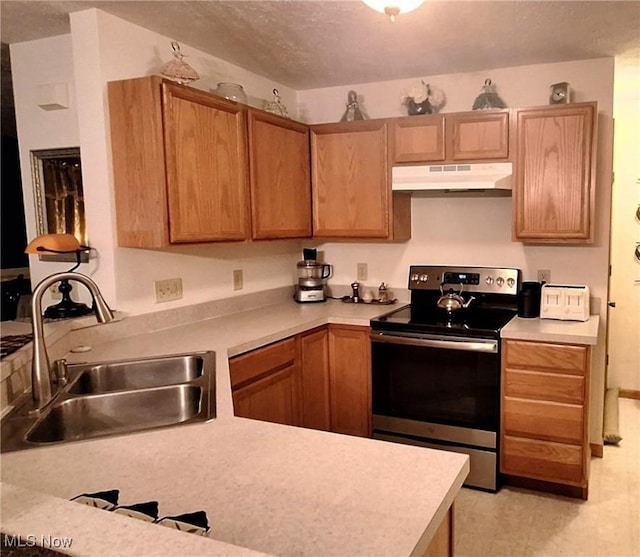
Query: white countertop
270 488
266 487
553 330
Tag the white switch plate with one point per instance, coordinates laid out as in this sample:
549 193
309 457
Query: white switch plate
363 271
168 289
237 279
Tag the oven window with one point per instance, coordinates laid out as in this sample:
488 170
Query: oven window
450 387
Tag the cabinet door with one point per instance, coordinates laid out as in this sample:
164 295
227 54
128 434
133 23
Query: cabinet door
266 384
547 357
139 177
205 150
271 399
417 139
350 379
545 420
314 356
351 180
477 135
279 176
555 173
544 460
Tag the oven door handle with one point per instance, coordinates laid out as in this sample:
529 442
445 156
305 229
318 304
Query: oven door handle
448 343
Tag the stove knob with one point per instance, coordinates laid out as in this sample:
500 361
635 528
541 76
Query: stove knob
511 282
415 277
424 278
499 281
489 280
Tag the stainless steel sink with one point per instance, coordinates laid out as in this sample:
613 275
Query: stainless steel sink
107 414
118 397
138 374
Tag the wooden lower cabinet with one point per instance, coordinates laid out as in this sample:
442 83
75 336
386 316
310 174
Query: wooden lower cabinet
314 354
320 379
350 379
266 384
545 408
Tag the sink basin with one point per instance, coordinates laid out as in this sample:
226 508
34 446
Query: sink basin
115 398
138 374
95 416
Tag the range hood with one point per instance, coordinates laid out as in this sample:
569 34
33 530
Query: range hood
453 178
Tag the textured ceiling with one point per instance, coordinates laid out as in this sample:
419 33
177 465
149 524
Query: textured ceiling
310 44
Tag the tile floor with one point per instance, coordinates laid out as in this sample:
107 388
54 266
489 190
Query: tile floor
521 523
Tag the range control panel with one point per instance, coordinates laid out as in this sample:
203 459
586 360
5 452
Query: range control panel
496 280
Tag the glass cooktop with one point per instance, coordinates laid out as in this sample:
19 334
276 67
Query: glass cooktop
478 321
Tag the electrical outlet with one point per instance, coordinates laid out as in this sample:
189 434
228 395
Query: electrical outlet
169 289
363 271
237 279
544 275
55 291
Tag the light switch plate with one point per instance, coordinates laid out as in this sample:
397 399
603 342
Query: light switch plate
544 275
237 279
363 271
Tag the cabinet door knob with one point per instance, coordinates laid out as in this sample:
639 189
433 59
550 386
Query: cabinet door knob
611 304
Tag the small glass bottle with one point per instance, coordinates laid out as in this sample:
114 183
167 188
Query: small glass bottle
382 293
232 91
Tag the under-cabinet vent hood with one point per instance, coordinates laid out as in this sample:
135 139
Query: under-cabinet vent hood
453 178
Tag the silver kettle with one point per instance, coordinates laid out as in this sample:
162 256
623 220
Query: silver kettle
452 301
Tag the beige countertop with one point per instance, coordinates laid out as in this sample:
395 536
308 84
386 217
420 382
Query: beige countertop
271 488
553 330
265 487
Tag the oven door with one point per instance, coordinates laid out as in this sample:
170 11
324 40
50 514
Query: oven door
439 391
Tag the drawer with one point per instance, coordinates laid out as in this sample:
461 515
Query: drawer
552 358
551 421
252 365
544 386
543 460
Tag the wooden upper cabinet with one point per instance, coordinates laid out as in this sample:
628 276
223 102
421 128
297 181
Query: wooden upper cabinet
450 138
554 186
351 183
205 148
477 135
179 163
418 139
279 177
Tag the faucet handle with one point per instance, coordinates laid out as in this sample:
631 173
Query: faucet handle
60 370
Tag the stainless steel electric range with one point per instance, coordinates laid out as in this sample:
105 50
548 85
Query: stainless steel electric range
436 364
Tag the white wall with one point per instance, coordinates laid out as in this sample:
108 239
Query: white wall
106 48
624 331
477 231
37 63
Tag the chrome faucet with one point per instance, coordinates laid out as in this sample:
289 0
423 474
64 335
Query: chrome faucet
41 380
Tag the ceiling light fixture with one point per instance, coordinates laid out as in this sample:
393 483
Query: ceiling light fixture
393 8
